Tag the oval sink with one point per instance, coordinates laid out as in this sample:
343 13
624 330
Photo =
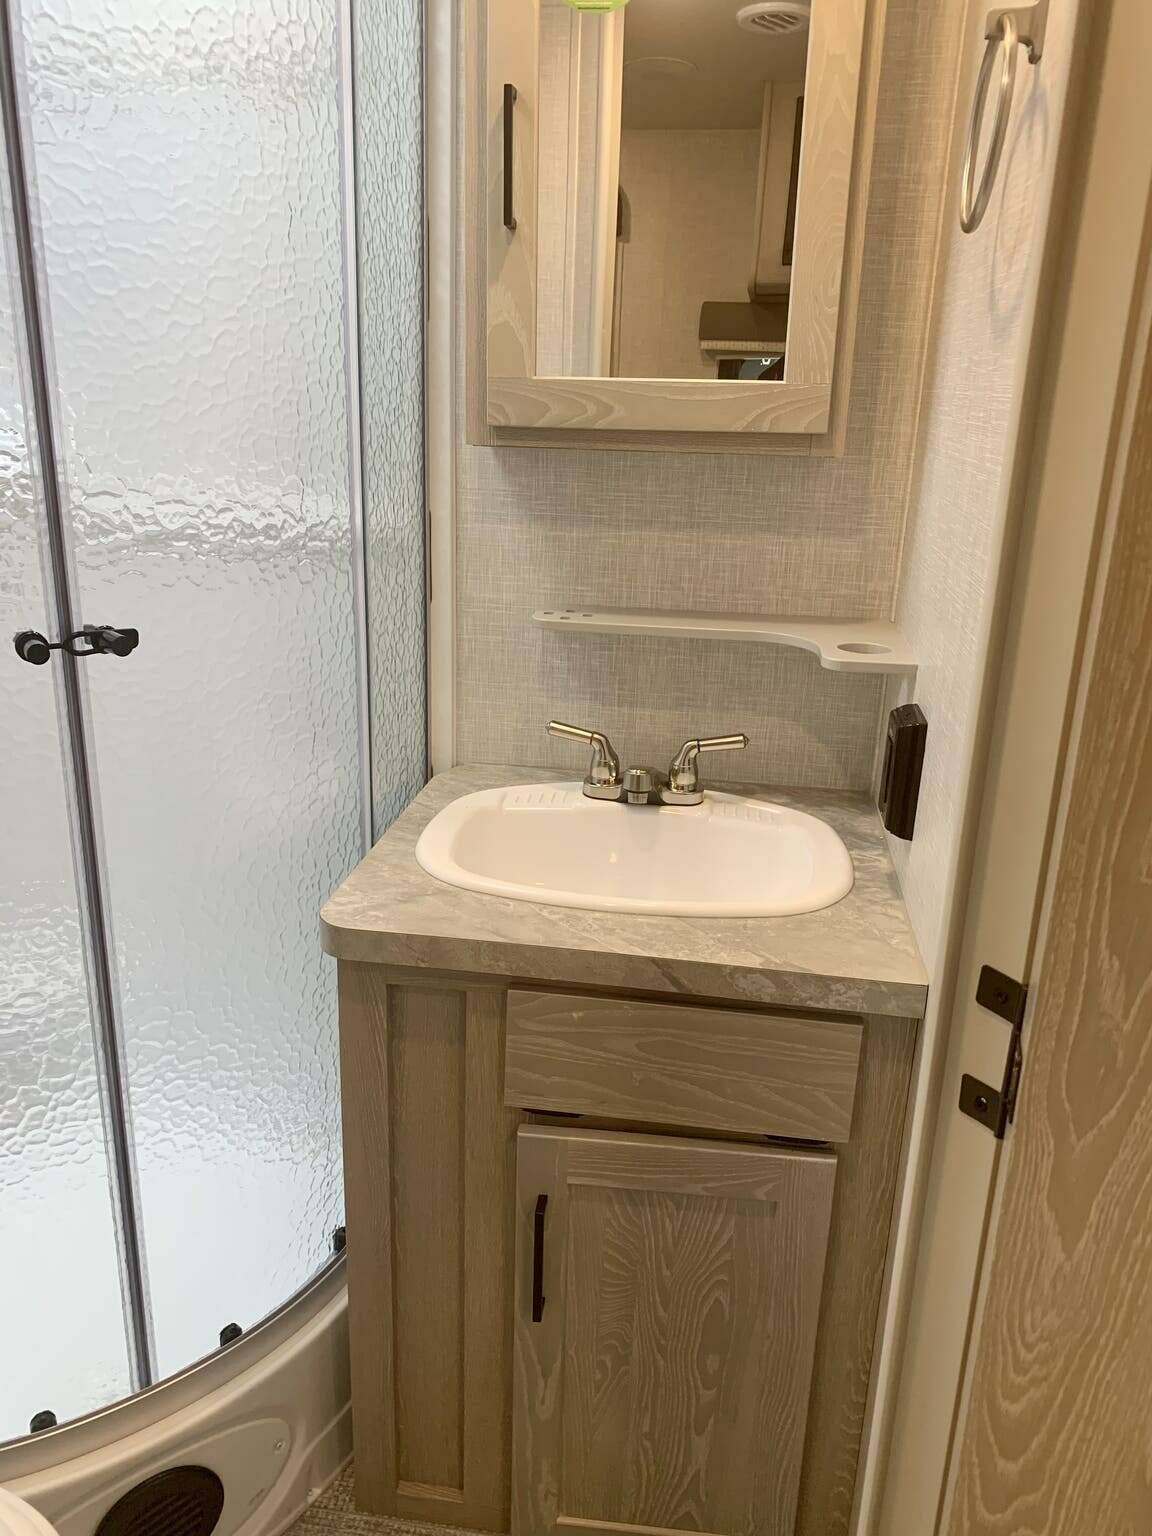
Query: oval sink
729 857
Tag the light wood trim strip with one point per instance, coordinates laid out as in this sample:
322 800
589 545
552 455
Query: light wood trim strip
489 1236
512 58
674 1164
426 1065
659 405
868 1168
835 50
709 1068
429 1180
541 1165
364 1092
793 444
574 1523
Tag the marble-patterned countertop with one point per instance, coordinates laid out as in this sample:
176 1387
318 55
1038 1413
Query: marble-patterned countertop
857 956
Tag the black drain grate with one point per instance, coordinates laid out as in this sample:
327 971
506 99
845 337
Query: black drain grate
182 1501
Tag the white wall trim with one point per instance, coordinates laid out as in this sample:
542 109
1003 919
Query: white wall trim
440 375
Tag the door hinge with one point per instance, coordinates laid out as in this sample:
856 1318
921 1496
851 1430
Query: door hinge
996 1107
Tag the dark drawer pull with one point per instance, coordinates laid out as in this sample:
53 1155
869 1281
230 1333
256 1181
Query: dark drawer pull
538 1258
509 130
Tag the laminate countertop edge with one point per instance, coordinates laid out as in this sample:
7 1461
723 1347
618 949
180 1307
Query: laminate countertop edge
858 956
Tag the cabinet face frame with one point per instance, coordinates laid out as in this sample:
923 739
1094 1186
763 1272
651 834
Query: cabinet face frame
411 1157
502 49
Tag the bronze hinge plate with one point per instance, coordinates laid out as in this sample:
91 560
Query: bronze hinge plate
995 1107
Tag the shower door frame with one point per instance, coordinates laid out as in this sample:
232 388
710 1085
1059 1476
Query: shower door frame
441 290
151 1396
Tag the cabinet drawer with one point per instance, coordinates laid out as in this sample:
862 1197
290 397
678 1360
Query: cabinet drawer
710 1068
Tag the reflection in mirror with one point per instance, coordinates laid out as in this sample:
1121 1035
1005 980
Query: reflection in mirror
667 180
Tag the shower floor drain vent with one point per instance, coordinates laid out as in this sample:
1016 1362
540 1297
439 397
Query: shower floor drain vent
182 1501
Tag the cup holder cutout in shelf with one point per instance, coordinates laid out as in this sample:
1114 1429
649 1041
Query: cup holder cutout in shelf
864 648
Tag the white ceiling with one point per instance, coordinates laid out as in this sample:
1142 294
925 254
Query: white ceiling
726 88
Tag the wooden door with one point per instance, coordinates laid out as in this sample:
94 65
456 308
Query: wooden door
667 1296
1056 1432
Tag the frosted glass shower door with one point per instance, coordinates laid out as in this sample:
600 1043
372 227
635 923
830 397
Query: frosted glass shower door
62 1340
187 160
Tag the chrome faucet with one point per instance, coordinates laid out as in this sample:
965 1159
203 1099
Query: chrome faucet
639 785
603 779
683 775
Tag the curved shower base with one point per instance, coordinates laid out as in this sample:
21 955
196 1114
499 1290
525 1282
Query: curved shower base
270 1416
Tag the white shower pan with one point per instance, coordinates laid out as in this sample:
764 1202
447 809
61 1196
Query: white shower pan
270 1416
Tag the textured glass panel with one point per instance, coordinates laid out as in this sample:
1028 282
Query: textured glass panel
391 226
188 170
61 1333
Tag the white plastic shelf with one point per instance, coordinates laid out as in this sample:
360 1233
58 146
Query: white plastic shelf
843 645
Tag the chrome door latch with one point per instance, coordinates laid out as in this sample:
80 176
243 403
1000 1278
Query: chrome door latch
996 1107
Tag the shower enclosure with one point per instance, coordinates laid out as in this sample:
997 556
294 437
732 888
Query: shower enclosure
212 250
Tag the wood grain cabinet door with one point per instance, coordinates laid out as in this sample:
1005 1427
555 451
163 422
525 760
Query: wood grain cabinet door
667 1296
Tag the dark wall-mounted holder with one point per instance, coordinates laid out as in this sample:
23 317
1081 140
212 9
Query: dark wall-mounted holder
903 762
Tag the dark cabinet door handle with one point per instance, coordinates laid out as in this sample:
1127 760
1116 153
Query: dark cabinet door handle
509 131
538 1258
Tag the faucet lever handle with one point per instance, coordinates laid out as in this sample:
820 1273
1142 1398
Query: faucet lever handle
683 775
605 766
722 743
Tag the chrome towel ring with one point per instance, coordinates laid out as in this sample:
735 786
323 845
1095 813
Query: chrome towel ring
1004 31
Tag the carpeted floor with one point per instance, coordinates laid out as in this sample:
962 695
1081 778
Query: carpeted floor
335 1514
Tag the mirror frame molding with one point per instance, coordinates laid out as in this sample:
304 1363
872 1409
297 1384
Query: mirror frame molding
510 403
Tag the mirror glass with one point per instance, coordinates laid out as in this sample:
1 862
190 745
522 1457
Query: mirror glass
669 144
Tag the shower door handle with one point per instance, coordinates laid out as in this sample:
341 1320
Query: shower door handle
93 640
32 647
105 640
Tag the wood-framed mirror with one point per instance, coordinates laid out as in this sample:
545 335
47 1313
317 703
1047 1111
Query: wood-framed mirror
667 189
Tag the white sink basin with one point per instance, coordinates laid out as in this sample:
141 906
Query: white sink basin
730 857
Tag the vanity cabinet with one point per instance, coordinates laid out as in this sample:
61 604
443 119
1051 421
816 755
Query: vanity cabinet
615 1261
